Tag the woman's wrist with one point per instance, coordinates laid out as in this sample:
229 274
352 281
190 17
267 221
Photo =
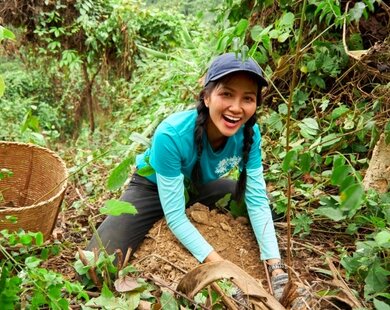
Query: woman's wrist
213 257
275 266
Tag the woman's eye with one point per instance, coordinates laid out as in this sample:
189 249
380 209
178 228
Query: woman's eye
226 94
249 99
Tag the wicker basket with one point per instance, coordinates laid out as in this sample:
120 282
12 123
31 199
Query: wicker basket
35 191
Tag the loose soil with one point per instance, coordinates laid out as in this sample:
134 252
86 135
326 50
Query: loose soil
163 256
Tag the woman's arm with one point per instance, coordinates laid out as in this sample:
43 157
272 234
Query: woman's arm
171 193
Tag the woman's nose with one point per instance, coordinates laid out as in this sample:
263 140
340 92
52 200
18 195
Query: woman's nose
235 105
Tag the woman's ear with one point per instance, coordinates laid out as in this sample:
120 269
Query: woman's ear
206 101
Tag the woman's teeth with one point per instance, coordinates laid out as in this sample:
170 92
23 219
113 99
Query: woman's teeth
231 119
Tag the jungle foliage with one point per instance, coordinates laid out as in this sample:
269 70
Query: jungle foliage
86 74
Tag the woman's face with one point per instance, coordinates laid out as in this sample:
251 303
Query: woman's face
231 103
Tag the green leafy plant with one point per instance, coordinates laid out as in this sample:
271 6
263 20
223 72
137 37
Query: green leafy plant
5 34
370 263
23 283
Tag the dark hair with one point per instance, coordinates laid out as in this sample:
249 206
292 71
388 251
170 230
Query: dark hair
200 126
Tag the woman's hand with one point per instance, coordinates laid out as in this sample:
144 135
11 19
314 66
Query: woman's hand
213 257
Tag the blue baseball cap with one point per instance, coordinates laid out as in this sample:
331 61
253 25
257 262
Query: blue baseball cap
229 63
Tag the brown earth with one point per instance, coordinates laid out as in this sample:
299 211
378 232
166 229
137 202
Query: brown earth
161 253
313 261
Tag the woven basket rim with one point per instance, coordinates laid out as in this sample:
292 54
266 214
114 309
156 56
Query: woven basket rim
63 183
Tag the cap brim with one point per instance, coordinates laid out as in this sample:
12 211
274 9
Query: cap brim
261 80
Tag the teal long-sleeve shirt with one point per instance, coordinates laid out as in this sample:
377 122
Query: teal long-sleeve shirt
173 155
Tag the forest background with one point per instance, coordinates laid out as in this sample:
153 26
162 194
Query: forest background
92 79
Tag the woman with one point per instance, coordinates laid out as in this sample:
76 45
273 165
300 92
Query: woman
199 147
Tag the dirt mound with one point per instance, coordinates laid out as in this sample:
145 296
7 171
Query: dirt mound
162 254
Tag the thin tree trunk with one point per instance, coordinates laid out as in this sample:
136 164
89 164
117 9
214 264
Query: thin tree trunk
88 94
378 172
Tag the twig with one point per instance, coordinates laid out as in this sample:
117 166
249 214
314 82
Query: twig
226 300
268 279
119 260
127 257
339 281
91 271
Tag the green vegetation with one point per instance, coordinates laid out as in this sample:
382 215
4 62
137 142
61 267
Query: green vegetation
98 76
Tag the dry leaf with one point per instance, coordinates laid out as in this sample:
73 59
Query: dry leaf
126 284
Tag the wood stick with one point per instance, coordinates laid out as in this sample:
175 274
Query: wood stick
91 272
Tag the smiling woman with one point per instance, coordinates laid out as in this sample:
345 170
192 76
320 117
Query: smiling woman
192 151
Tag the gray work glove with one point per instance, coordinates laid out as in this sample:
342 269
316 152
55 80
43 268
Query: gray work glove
278 283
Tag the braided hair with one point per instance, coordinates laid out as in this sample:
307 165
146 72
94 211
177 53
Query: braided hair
200 127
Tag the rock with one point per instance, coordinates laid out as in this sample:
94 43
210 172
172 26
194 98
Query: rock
200 217
225 226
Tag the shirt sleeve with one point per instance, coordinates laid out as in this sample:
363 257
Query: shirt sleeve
260 214
171 193
165 153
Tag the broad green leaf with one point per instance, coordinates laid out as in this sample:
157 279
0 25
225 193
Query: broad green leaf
339 174
311 123
340 111
330 140
168 301
186 36
316 80
106 293
257 32
380 305
32 262
54 292
300 97
11 218
283 109
351 198
62 303
274 33
305 162
120 174
266 40
6 34
357 11
383 238
348 181
153 52
387 132
376 280
289 160
283 37
2 86
241 27
287 20
146 171
237 209
26 239
38 238
117 207
132 300
331 213
275 122
224 201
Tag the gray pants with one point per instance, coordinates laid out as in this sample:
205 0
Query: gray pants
128 231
